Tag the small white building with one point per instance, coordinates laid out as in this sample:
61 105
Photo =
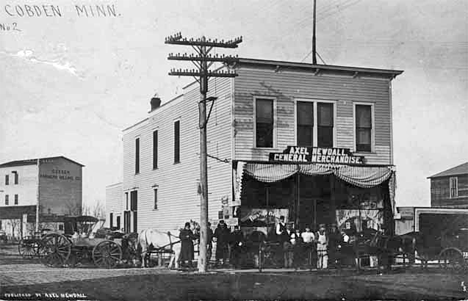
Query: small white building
52 185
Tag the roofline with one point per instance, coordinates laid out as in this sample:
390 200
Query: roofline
34 161
115 184
447 176
260 62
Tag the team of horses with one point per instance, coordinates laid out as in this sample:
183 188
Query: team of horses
384 247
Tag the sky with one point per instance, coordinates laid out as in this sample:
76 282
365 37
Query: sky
70 83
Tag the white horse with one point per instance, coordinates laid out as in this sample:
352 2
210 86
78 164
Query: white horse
153 239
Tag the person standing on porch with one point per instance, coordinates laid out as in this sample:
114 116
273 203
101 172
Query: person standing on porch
308 239
288 239
322 245
280 227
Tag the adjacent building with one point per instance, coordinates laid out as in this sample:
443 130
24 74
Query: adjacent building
310 142
47 188
449 188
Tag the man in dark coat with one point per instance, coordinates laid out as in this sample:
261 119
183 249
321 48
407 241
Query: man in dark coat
186 238
209 243
237 243
334 242
222 235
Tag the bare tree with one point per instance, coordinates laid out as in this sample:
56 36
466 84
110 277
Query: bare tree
72 208
97 210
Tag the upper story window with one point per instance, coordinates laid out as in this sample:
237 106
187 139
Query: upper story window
363 131
7 199
137 155
177 141
16 177
453 187
126 200
16 199
264 122
155 149
315 123
7 179
305 123
325 124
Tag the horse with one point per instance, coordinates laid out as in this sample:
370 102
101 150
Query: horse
150 239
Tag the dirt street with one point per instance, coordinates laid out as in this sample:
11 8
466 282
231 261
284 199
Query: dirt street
29 280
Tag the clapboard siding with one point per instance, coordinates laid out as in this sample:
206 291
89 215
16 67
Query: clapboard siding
286 87
178 200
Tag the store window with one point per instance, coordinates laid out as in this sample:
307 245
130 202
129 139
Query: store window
177 141
305 123
363 115
453 187
325 124
155 149
264 122
137 155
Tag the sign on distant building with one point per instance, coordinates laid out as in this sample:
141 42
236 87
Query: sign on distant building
301 154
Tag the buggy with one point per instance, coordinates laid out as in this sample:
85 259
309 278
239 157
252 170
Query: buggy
106 250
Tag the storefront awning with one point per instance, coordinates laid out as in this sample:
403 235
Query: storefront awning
360 176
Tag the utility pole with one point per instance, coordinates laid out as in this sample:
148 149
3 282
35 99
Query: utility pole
314 50
203 60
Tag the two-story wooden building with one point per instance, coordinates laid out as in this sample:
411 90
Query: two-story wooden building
48 188
449 188
310 142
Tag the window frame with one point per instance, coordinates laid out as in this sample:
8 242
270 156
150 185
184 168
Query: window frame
176 145
155 198
137 150
315 108
451 188
372 150
16 177
155 140
275 121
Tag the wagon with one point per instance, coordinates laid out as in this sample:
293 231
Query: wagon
443 239
59 250
29 247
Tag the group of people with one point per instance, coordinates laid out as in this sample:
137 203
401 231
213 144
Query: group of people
321 247
228 244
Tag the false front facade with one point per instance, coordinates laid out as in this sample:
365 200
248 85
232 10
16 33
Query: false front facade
310 142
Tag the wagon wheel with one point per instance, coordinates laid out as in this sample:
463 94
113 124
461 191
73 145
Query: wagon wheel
451 258
107 254
55 250
27 249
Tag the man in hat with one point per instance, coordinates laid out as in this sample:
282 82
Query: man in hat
186 238
288 239
222 235
334 243
237 243
322 245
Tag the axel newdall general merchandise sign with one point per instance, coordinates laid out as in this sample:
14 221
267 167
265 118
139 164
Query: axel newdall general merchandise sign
301 154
